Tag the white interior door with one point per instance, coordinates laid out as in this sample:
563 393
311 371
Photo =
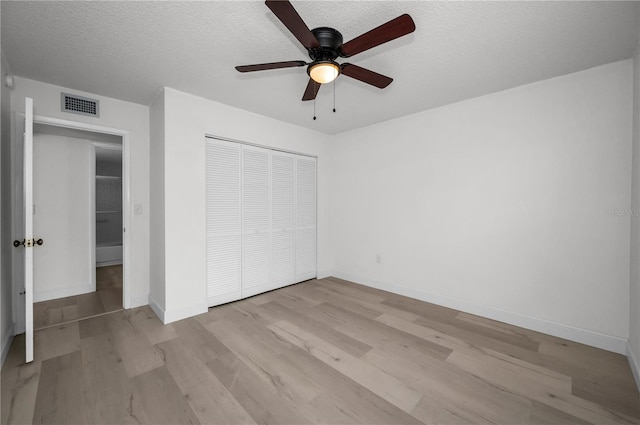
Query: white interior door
28 242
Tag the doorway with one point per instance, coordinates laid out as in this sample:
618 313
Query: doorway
77 177
65 210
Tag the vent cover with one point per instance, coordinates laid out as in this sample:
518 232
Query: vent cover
79 105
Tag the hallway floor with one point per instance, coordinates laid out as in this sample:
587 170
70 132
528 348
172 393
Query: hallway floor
106 298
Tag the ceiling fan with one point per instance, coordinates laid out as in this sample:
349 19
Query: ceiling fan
325 45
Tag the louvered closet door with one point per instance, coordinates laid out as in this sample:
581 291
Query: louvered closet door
256 228
305 218
223 221
282 219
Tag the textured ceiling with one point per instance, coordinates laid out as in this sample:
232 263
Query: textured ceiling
129 50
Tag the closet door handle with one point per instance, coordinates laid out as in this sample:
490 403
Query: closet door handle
39 242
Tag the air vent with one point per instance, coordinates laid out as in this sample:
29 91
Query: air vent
79 105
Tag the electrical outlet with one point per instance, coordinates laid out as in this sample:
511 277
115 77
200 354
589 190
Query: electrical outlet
378 258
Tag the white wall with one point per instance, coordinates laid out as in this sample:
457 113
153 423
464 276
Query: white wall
157 205
187 120
116 114
63 176
512 205
6 293
634 289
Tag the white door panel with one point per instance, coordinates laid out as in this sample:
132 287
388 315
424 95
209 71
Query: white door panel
223 183
305 218
255 220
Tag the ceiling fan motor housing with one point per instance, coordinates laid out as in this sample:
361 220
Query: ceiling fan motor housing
330 41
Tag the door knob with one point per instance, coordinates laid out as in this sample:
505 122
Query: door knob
28 243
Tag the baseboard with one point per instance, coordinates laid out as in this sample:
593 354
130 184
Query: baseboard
159 311
176 314
139 301
62 292
6 343
635 366
583 336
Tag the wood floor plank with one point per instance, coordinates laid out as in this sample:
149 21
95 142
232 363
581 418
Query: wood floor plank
456 394
422 309
107 387
210 400
56 341
335 299
156 399
94 326
345 400
253 394
110 299
19 385
60 390
145 322
431 411
89 304
621 398
136 351
262 358
529 382
377 334
279 312
203 343
351 293
386 386
584 409
541 414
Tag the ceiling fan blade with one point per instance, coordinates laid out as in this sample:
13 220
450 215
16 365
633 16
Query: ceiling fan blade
312 90
271 65
285 11
402 25
365 75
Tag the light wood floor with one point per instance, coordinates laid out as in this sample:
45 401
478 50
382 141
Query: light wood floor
325 351
106 298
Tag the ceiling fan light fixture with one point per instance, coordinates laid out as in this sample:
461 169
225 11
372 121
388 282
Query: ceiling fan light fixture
324 72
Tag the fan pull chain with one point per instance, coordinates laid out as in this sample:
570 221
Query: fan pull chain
314 108
334 96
